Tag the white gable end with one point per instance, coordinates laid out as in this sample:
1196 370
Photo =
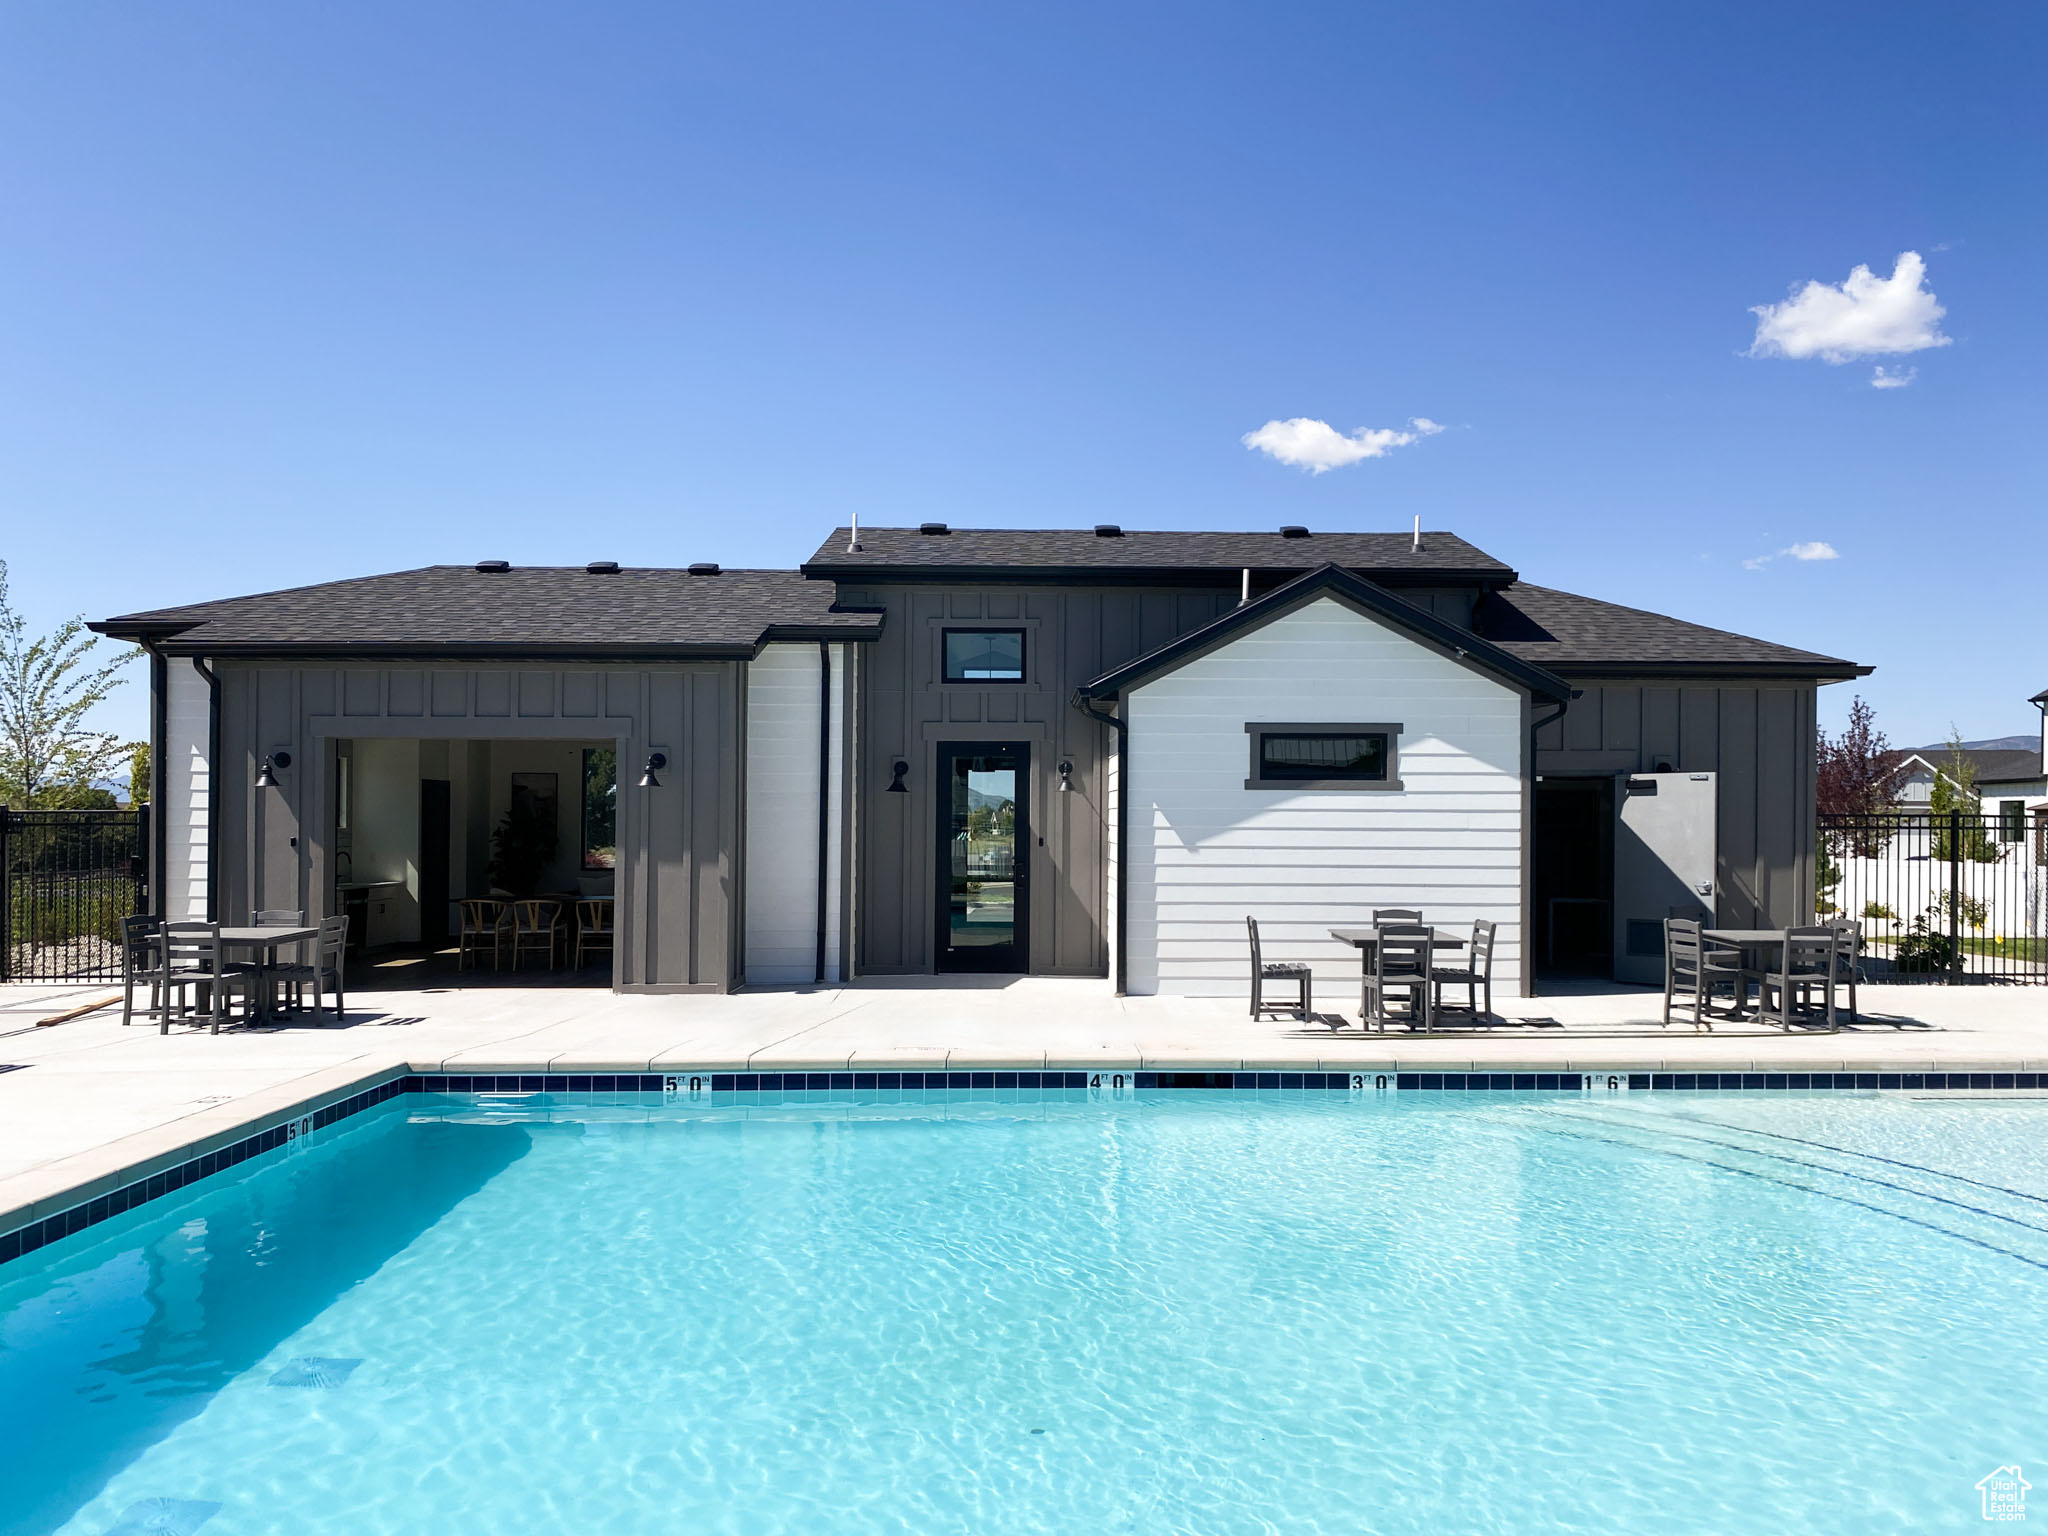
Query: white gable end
1206 852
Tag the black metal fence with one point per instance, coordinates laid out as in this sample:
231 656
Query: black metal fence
67 878
1942 898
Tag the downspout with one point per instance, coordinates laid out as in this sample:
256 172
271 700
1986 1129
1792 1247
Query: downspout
159 838
213 767
1123 835
824 794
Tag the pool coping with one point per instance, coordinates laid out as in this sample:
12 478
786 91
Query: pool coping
42 1205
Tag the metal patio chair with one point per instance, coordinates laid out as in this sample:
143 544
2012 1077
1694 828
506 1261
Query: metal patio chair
1264 970
1475 976
1400 963
1693 968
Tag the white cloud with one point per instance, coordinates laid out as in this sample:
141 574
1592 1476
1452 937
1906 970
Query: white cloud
1810 549
1316 446
1866 316
1893 378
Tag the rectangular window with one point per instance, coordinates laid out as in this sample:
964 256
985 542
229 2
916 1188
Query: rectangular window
2012 821
600 807
1318 756
984 655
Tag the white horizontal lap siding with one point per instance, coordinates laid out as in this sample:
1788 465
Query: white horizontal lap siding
1205 852
187 786
782 816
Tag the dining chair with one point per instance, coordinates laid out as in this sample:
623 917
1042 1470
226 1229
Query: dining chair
536 924
325 969
1475 976
195 957
593 928
481 923
279 917
1693 967
1396 915
1848 958
1805 965
142 964
1400 962
1264 970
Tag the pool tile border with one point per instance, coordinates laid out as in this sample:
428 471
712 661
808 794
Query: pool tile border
736 1087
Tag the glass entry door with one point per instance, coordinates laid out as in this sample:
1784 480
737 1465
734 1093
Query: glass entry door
984 856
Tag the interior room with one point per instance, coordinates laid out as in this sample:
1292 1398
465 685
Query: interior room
476 862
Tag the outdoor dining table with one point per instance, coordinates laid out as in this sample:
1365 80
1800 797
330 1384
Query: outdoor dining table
1367 942
1771 941
266 942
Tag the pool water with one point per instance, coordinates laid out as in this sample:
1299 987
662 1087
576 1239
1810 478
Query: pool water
1169 1312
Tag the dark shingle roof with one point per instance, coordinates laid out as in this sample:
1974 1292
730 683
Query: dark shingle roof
1079 553
1994 765
526 611
1582 636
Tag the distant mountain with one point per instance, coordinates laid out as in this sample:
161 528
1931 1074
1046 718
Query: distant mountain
1994 744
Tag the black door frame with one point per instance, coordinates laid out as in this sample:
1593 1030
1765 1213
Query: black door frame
1018 962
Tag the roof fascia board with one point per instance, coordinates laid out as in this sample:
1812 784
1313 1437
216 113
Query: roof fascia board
1356 593
1823 670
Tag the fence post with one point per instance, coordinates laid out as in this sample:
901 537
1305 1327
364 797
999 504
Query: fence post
1955 897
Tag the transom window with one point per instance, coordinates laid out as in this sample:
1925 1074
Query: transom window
984 655
1317 756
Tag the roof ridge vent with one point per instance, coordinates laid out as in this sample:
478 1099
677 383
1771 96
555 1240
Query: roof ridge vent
933 530
1108 531
1293 531
603 568
493 567
704 568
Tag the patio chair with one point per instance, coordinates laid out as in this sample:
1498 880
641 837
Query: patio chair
1805 967
195 957
1395 915
482 923
1693 968
1848 957
1400 962
593 929
536 924
279 917
142 964
330 955
1264 970
1476 976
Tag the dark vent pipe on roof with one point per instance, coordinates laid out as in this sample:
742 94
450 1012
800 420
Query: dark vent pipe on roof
1108 531
704 568
603 568
933 530
1293 531
492 567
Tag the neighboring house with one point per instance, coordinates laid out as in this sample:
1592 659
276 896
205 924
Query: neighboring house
1083 753
2011 783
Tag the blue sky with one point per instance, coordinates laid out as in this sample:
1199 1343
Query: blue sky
290 292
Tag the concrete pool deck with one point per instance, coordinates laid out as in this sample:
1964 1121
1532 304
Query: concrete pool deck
94 1105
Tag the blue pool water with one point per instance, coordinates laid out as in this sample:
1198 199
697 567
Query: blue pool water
1178 1312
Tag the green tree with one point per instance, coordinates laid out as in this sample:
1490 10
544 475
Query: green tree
1955 790
139 774
49 756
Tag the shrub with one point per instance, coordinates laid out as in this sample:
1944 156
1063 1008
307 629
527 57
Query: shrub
1925 950
1879 911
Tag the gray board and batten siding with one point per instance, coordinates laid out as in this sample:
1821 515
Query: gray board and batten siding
677 880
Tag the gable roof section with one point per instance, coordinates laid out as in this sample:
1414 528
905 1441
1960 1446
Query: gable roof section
1353 591
1584 637
1993 765
527 612
1136 555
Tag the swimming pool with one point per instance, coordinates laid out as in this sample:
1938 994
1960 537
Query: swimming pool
1054 1310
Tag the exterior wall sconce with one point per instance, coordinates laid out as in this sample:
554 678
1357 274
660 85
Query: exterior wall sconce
1066 774
654 760
896 784
265 779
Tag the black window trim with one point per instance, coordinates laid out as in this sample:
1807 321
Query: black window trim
1023 655
1258 730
